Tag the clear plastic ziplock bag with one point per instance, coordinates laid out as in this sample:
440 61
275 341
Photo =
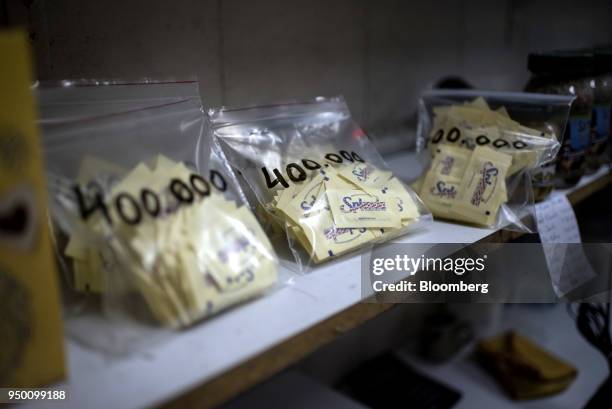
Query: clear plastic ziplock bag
482 150
146 216
69 100
314 178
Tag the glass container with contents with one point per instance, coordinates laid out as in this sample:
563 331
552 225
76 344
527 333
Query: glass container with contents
562 73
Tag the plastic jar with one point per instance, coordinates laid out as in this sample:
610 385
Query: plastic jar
562 73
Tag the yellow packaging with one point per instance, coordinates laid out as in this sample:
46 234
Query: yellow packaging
328 240
440 187
191 260
505 140
316 214
474 124
404 201
357 208
31 333
364 175
86 262
306 200
482 189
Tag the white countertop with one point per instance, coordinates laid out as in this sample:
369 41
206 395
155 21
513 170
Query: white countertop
190 358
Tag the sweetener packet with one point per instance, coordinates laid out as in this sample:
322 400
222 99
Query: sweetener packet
189 251
523 127
441 184
145 215
330 215
316 175
482 189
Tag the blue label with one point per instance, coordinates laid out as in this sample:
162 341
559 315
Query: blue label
601 122
580 133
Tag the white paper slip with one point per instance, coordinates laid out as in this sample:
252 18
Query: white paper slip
559 233
557 221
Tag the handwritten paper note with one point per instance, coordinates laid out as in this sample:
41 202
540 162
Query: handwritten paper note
557 221
560 237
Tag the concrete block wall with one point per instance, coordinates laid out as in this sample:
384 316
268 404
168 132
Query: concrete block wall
379 54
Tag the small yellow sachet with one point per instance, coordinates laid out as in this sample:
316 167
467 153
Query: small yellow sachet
342 208
327 240
404 201
357 208
364 175
474 124
440 187
482 189
187 250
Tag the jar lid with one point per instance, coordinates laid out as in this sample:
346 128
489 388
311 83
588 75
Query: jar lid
603 60
561 62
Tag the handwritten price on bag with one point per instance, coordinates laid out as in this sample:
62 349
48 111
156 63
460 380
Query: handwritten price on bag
297 173
130 209
454 135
